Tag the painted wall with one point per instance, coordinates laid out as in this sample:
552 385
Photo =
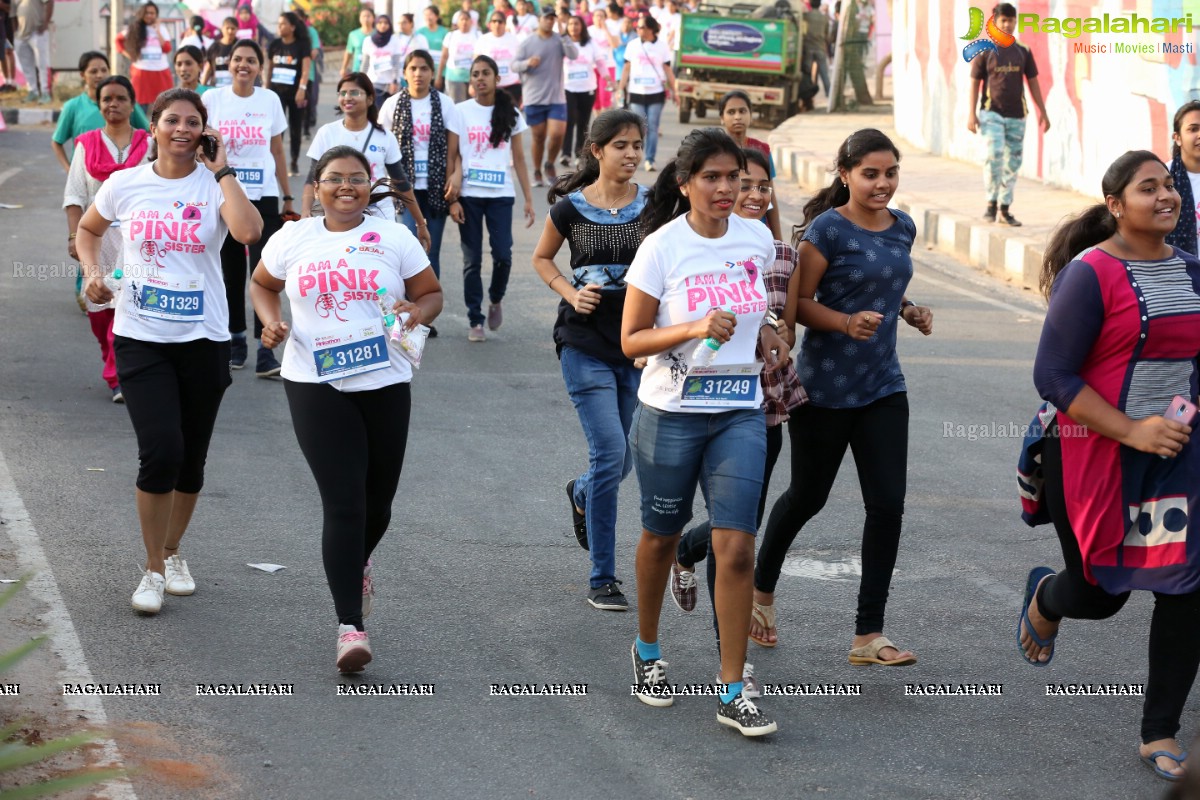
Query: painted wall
1099 104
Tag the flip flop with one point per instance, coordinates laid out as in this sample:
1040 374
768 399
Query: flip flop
764 616
1031 583
1151 761
868 654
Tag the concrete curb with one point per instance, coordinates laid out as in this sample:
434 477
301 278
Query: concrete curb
994 250
30 116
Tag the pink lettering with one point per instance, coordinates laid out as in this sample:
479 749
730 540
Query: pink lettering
366 280
695 297
345 279
306 282
727 294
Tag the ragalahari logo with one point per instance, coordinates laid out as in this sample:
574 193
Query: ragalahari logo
995 36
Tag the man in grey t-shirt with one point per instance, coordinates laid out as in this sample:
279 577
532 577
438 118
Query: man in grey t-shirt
540 62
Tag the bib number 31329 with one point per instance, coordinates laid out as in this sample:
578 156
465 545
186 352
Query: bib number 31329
725 386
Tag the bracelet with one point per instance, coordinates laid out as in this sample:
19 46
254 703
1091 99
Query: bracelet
905 304
70 236
287 198
847 324
223 171
556 277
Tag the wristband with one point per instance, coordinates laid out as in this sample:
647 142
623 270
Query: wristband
287 198
905 304
223 171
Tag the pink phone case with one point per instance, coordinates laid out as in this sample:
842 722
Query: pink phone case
1181 410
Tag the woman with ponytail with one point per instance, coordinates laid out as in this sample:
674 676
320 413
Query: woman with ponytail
697 301
490 143
146 45
1118 348
286 72
359 128
854 265
1185 171
596 211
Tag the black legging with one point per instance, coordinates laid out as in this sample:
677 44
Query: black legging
1174 625
295 115
233 264
696 544
877 434
357 465
579 117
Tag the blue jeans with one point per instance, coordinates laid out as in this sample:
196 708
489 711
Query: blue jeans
605 396
497 212
437 225
1005 141
652 113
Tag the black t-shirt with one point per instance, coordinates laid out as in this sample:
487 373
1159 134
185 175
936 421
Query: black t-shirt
218 56
602 247
1003 72
286 60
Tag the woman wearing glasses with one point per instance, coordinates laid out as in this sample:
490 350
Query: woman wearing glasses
500 46
359 128
340 370
647 77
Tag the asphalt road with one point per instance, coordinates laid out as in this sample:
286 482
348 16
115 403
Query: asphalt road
479 582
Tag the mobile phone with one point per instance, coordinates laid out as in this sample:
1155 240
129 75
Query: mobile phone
208 146
1181 410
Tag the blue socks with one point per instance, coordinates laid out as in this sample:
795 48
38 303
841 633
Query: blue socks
648 652
734 690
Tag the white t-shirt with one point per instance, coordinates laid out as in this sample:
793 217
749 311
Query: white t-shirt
502 50
670 30
486 170
154 54
579 73
522 27
461 49
459 13
646 60
171 236
196 40
331 280
1194 179
689 275
247 125
380 148
422 116
382 62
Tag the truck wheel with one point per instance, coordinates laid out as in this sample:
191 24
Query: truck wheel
685 111
701 110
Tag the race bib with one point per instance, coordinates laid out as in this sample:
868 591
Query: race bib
724 386
421 168
490 178
251 173
224 78
462 62
285 75
246 33
504 71
644 80
176 299
152 56
578 74
350 349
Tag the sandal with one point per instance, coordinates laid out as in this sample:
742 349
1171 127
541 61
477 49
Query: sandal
1036 576
765 617
1152 762
868 654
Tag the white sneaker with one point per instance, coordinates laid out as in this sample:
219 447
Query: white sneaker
750 686
149 595
179 580
353 649
368 591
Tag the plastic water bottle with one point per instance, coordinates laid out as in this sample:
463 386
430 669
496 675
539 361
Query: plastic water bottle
386 303
113 281
706 352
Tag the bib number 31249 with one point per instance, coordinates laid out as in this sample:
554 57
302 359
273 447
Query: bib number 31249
725 386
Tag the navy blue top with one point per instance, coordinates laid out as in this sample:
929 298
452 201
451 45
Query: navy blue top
868 271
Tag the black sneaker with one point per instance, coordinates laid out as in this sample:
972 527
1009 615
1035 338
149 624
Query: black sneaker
608 597
1008 219
267 366
650 677
741 713
432 332
990 214
237 352
578 521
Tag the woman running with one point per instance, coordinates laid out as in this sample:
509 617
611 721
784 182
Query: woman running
339 364
1120 343
427 126
855 263
188 63
216 69
98 154
501 46
604 42
252 121
579 83
597 213
490 143
82 113
736 114
146 46
171 332
359 128
381 59
458 49
647 77
286 72
693 298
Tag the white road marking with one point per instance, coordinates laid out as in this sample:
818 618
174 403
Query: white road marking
8 173
983 298
60 630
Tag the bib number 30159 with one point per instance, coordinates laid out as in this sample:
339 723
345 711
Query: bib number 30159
725 386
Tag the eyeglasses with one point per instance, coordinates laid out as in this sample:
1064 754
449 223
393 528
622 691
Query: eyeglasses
353 180
352 93
764 189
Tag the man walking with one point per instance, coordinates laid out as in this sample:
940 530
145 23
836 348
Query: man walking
31 21
540 63
816 45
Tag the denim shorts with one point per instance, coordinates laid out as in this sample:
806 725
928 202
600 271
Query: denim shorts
724 453
537 114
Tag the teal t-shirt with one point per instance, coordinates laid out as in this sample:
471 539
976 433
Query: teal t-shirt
201 89
81 114
354 43
435 39
315 38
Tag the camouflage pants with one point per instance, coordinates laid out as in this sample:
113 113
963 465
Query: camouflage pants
1005 141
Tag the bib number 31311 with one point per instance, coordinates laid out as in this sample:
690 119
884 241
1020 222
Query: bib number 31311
725 386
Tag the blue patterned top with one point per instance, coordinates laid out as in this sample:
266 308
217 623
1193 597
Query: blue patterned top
868 271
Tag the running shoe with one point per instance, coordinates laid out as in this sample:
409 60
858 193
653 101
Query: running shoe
368 592
608 597
537 180
118 395
578 521
179 580
495 316
650 678
565 160
353 649
432 332
237 351
648 166
148 598
476 334
683 588
267 366
549 171
741 713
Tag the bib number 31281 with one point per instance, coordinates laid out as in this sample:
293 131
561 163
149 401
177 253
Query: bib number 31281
725 386
350 350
